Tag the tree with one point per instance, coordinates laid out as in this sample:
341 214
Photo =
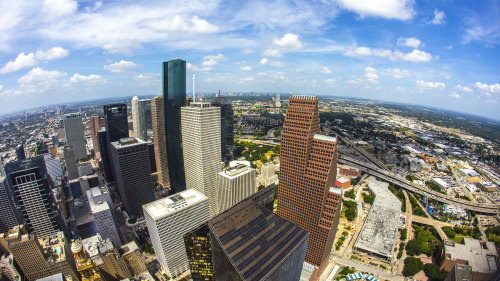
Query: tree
433 272
261 187
448 230
263 159
412 266
369 198
404 234
350 194
414 247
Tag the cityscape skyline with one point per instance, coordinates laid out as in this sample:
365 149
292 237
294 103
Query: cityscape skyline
431 54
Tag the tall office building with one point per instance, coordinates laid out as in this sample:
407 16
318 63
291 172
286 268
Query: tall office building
99 200
133 174
234 184
20 152
247 242
32 193
73 128
307 174
174 97
8 217
277 102
70 162
168 219
107 167
201 134
84 264
160 143
226 127
96 123
54 169
2 171
115 119
7 268
141 118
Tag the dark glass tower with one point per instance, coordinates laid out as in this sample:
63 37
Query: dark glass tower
174 97
226 127
115 118
20 152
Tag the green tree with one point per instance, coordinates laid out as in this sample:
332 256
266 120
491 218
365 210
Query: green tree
412 266
434 273
404 234
369 198
448 230
350 194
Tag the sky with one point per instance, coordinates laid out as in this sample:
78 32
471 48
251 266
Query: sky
443 54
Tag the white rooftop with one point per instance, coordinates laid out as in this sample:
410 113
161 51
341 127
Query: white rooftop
96 207
325 138
480 255
174 203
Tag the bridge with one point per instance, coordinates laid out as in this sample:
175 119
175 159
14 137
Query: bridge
422 190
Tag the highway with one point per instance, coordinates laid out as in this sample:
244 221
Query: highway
422 190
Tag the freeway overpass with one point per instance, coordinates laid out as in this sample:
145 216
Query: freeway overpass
422 190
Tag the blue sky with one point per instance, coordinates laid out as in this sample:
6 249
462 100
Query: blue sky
437 53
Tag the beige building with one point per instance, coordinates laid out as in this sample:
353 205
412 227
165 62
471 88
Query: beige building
234 184
200 127
159 141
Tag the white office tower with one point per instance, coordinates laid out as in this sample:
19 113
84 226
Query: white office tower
234 184
168 219
267 174
54 169
73 128
200 125
277 102
70 162
141 118
100 206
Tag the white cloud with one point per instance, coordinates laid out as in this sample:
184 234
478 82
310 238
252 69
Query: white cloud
264 61
121 47
414 56
371 74
53 9
52 54
455 95
326 70
247 51
464 89
181 24
210 61
272 52
148 76
449 47
39 80
91 79
389 9
360 51
289 41
330 81
21 61
276 63
398 73
246 68
246 79
438 17
492 89
120 66
428 85
410 42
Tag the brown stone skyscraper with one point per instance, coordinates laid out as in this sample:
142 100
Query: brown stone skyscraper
96 123
307 195
160 143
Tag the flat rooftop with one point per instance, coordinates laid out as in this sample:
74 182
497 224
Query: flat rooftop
166 206
53 247
325 138
236 171
96 206
255 240
480 255
125 142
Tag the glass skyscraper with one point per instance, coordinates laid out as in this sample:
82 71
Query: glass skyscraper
174 97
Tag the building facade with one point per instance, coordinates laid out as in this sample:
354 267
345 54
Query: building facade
160 143
174 97
226 127
141 118
96 124
20 152
201 134
168 219
133 174
8 217
73 128
308 168
70 162
115 119
100 205
234 184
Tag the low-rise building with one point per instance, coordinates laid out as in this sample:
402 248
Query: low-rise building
343 183
454 211
348 171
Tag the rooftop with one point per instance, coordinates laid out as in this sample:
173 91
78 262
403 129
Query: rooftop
253 237
325 138
235 171
124 142
53 247
166 206
479 254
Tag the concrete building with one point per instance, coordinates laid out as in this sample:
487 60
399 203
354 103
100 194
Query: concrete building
247 242
8 269
141 118
379 234
226 127
460 272
73 128
96 124
267 174
343 182
115 119
133 174
174 97
200 124
8 217
20 152
160 143
233 185
84 264
70 163
99 200
308 170
168 219
32 193
277 102
54 169
348 171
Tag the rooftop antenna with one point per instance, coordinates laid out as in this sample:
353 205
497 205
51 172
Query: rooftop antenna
194 98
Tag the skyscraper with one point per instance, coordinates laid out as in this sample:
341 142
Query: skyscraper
20 152
73 128
96 123
307 174
201 134
278 101
133 174
8 217
99 200
32 193
107 167
168 219
141 118
226 127
70 162
160 143
115 118
174 97
233 185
